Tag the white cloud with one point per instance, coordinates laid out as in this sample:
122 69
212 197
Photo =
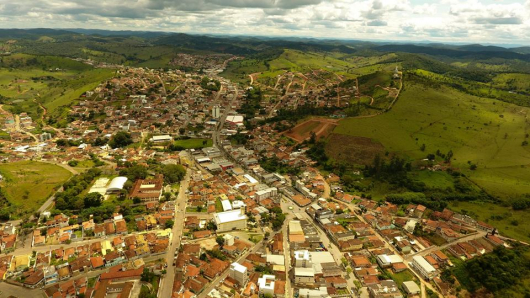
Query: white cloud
446 20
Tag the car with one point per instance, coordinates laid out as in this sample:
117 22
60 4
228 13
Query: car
290 208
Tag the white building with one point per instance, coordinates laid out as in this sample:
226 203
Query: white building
239 273
302 259
266 193
386 261
238 204
423 267
216 112
226 205
161 139
321 292
230 220
229 239
304 275
266 285
116 184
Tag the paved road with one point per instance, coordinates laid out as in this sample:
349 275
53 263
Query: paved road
166 284
215 135
330 246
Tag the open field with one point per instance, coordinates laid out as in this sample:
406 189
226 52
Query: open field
357 150
510 223
194 143
27 184
485 132
321 127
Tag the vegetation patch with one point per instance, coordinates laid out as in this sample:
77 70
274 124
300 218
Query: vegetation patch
356 150
27 184
193 143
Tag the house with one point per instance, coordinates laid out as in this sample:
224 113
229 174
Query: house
385 289
360 262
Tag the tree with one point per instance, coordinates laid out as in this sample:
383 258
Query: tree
220 240
93 199
120 139
169 224
173 173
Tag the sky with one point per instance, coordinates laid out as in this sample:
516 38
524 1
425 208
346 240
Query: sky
464 21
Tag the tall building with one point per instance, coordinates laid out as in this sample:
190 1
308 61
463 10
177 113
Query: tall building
266 285
216 112
239 273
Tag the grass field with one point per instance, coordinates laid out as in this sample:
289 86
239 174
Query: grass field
485 132
402 276
28 184
194 143
513 224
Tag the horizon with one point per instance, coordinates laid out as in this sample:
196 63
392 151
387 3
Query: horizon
286 37
496 22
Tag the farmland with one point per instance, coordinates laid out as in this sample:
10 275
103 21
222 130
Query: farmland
485 132
27 184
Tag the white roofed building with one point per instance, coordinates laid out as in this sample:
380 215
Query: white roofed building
424 268
266 285
239 273
230 220
116 185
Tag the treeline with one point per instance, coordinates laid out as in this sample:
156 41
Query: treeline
69 198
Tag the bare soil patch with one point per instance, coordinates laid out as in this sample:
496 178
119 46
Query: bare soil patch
321 127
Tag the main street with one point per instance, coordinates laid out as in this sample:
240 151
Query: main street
287 204
166 284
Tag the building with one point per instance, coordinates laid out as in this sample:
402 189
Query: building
148 190
161 139
426 270
411 288
304 275
386 289
216 112
116 185
266 285
239 273
230 220
303 259
386 261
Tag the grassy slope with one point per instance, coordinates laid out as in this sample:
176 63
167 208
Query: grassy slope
446 119
38 179
67 84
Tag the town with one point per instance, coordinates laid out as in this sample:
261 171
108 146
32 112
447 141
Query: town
183 188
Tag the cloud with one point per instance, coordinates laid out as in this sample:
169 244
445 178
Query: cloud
446 20
377 23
